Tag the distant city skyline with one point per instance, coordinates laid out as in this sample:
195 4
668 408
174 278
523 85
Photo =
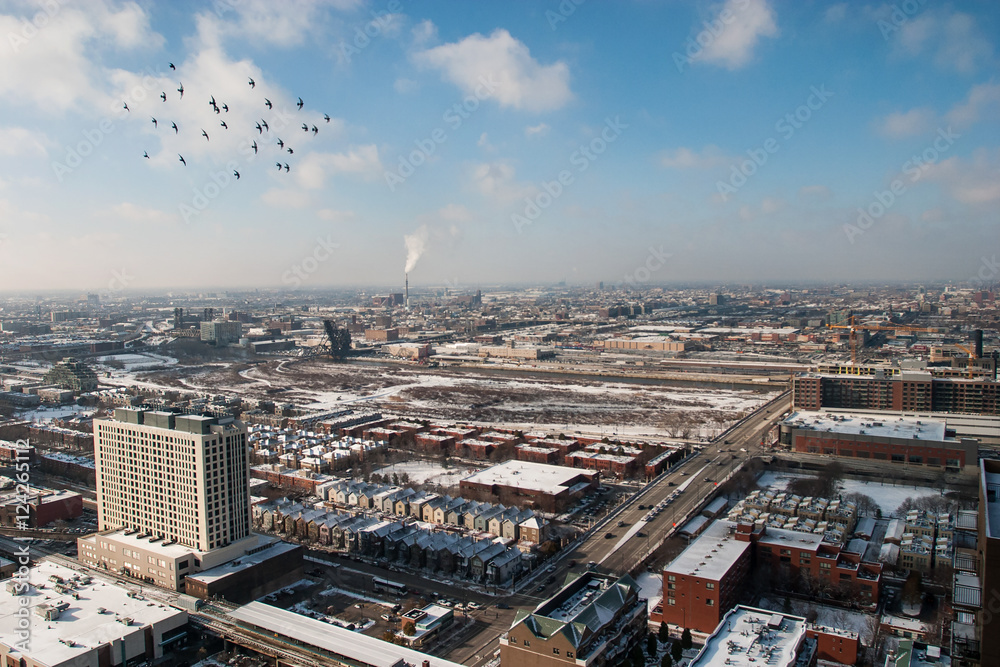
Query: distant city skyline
634 143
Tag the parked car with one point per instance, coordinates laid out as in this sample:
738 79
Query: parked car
608 536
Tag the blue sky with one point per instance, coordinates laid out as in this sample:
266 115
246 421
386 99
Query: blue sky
643 142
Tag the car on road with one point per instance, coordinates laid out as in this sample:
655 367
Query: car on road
609 536
640 534
540 588
671 483
503 605
572 563
620 523
386 617
549 579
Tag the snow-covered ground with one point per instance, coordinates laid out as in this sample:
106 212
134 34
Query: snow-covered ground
427 472
48 413
832 617
136 361
886 494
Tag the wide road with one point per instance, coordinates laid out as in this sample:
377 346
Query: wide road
698 476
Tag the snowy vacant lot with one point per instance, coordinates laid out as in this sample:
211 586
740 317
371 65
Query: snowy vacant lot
886 494
427 472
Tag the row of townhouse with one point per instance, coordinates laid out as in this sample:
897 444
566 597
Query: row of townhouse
401 542
508 522
300 449
925 539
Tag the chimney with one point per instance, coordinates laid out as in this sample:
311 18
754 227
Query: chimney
406 296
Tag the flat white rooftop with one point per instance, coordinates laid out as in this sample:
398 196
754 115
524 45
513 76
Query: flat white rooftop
526 475
711 555
81 623
748 637
242 563
908 428
355 646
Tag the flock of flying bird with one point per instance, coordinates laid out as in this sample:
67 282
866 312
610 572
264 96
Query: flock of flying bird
261 126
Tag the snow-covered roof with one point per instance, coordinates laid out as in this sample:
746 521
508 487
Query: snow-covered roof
908 428
527 475
746 637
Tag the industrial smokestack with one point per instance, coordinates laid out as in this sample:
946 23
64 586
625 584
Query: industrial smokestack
977 343
406 292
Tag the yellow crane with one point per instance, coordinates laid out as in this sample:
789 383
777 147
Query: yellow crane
972 357
872 327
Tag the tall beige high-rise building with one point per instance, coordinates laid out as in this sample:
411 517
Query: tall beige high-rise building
183 478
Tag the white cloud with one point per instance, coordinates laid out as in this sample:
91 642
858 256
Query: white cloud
20 142
142 215
484 143
315 167
52 65
973 182
285 198
540 130
770 205
502 68
733 47
404 86
983 100
906 124
951 38
835 13
497 182
279 23
820 192
685 158
335 216
424 33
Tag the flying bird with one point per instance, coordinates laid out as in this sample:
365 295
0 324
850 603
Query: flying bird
259 130
286 166
264 123
181 91
326 117
182 159
267 102
145 155
125 106
252 83
212 103
204 134
216 109
174 126
172 66
163 96
299 105
315 130
254 147
236 174
290 151
154 122
278 165
225 107
224 125
305 128
281 144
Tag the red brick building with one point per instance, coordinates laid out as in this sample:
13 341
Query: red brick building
909 391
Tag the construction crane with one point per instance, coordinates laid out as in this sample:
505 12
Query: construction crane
871 327
972 357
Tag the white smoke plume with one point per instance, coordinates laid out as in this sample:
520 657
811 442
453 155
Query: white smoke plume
416 244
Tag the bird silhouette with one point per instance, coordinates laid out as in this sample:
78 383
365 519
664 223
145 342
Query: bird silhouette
155 124
145 155
315 130
212 102
290 151
204 134
259 129
163 96
223 123
281 144
252 83
264 123
299 105
254 147
326 117
125 106
216 109
278 165
174 126
172 66
236 174
305 128
181 91
225 107
286 166
183 162
267 102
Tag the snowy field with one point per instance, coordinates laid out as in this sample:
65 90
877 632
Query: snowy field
48 413
886 494
427 472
